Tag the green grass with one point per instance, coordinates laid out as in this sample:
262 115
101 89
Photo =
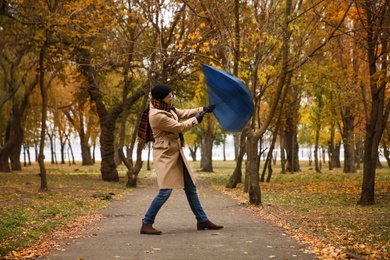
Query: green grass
27 214
321 204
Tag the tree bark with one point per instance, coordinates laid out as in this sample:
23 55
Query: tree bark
283 160
348 141
336 155
268 163
193 152
236 177
86 156
43 89
252 165
12 148
107 119
107 149
15 139
358 154
62 149
132 169
377 38
85 153
206 161
292 149
386 154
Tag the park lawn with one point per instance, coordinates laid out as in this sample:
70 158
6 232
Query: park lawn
320 209
28 216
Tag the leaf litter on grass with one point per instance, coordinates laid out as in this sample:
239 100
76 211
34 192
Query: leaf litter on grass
52 241
320 211
45 217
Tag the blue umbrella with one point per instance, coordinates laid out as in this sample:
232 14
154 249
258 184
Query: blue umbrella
232 99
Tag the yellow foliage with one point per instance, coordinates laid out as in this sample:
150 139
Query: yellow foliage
200 91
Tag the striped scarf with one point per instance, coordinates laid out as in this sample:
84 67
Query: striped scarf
144 129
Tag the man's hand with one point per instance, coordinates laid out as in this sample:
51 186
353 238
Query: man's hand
209 108
199 117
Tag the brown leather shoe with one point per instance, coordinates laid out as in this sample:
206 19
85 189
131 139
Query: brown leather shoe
149 230
207 225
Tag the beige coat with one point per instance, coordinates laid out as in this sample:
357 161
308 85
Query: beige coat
167 149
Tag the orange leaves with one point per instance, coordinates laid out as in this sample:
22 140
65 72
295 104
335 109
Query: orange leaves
29 218
320 211
52 240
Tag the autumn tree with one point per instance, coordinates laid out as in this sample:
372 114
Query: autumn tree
18 61
374 19
346 62
287 59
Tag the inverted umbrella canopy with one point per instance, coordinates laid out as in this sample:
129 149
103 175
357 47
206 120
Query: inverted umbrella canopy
232 99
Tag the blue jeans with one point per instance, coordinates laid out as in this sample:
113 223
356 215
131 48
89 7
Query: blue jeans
163 195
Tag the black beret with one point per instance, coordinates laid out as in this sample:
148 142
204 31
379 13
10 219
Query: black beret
160 91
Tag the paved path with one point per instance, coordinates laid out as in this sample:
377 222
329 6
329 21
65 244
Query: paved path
245 235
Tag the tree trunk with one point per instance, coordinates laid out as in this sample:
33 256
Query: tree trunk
386 150
369 169
292 150
336 155
224 148
25 155
108 167
349 141
268 160
132 170
85 153
70 149
358 154
386 154
282 153
316 152
12 148
310 155
236 177
206 161
377 43
292 147
107 119
252 165
15 155
15 132
18 133
62 149
86 156
193 153
237 144
148 164
107 150
270 170
41 156
10 152
52 149
331 147
36 150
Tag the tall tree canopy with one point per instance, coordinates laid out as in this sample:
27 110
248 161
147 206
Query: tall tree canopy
317 71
